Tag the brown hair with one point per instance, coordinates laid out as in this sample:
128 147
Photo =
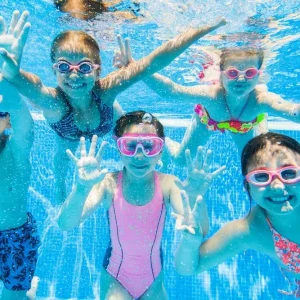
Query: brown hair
75 41
137 117
241 52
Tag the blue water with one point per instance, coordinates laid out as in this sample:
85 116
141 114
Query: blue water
69 263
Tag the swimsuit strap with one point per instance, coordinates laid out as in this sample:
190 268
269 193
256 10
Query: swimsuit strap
228 109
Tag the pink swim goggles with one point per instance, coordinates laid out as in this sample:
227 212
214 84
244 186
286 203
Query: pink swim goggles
233 73
150 144
85 67
260 177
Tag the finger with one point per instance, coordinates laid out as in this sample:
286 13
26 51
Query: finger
197 208
24 35
189 161
101 151
176 216
82 147
179 184
13 22
207 161
103 174
217 172
93 146
189 229
72 156
2 26
121 45
185 203
7 58
20 25
128 51
199 157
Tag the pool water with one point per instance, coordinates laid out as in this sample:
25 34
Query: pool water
70 262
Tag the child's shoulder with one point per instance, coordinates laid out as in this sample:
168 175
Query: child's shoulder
163 177
260 89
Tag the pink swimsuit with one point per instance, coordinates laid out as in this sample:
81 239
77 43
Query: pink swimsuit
289 254
134 257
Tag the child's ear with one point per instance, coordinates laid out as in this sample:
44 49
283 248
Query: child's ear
246 185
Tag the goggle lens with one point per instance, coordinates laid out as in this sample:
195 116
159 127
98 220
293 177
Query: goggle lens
86 68
232 73
63 67
251 73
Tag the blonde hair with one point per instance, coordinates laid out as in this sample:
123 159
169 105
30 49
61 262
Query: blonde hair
76 41
259 53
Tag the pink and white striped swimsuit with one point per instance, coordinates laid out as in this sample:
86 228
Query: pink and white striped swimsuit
134 257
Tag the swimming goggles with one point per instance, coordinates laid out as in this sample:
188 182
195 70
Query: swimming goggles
84 67
150 144
233 73
289 174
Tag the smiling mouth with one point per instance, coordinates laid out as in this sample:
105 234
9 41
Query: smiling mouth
75 86
140 167
279 200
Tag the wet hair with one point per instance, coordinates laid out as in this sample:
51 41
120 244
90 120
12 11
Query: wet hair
135 118
59 3
3 140
76 41
260 142
233 52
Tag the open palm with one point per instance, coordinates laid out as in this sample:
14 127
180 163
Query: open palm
88 165
199 177
12 42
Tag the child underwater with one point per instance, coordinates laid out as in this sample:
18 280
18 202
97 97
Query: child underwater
271 168
19 238
136 199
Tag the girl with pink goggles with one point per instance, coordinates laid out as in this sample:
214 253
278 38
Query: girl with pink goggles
150 144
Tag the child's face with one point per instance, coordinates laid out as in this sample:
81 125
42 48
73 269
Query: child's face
273 196
241 85
140 165
74 83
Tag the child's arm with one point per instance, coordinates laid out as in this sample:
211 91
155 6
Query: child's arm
89 190
191 258
170 90
120 80
198 181
11 48
273 104
164 86
21 120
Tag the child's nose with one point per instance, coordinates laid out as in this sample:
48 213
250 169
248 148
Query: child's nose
277 184
139 154
241 77
74 73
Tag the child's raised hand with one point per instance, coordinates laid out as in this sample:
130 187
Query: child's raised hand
187 223
123 57
89 171
199 176
12 42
